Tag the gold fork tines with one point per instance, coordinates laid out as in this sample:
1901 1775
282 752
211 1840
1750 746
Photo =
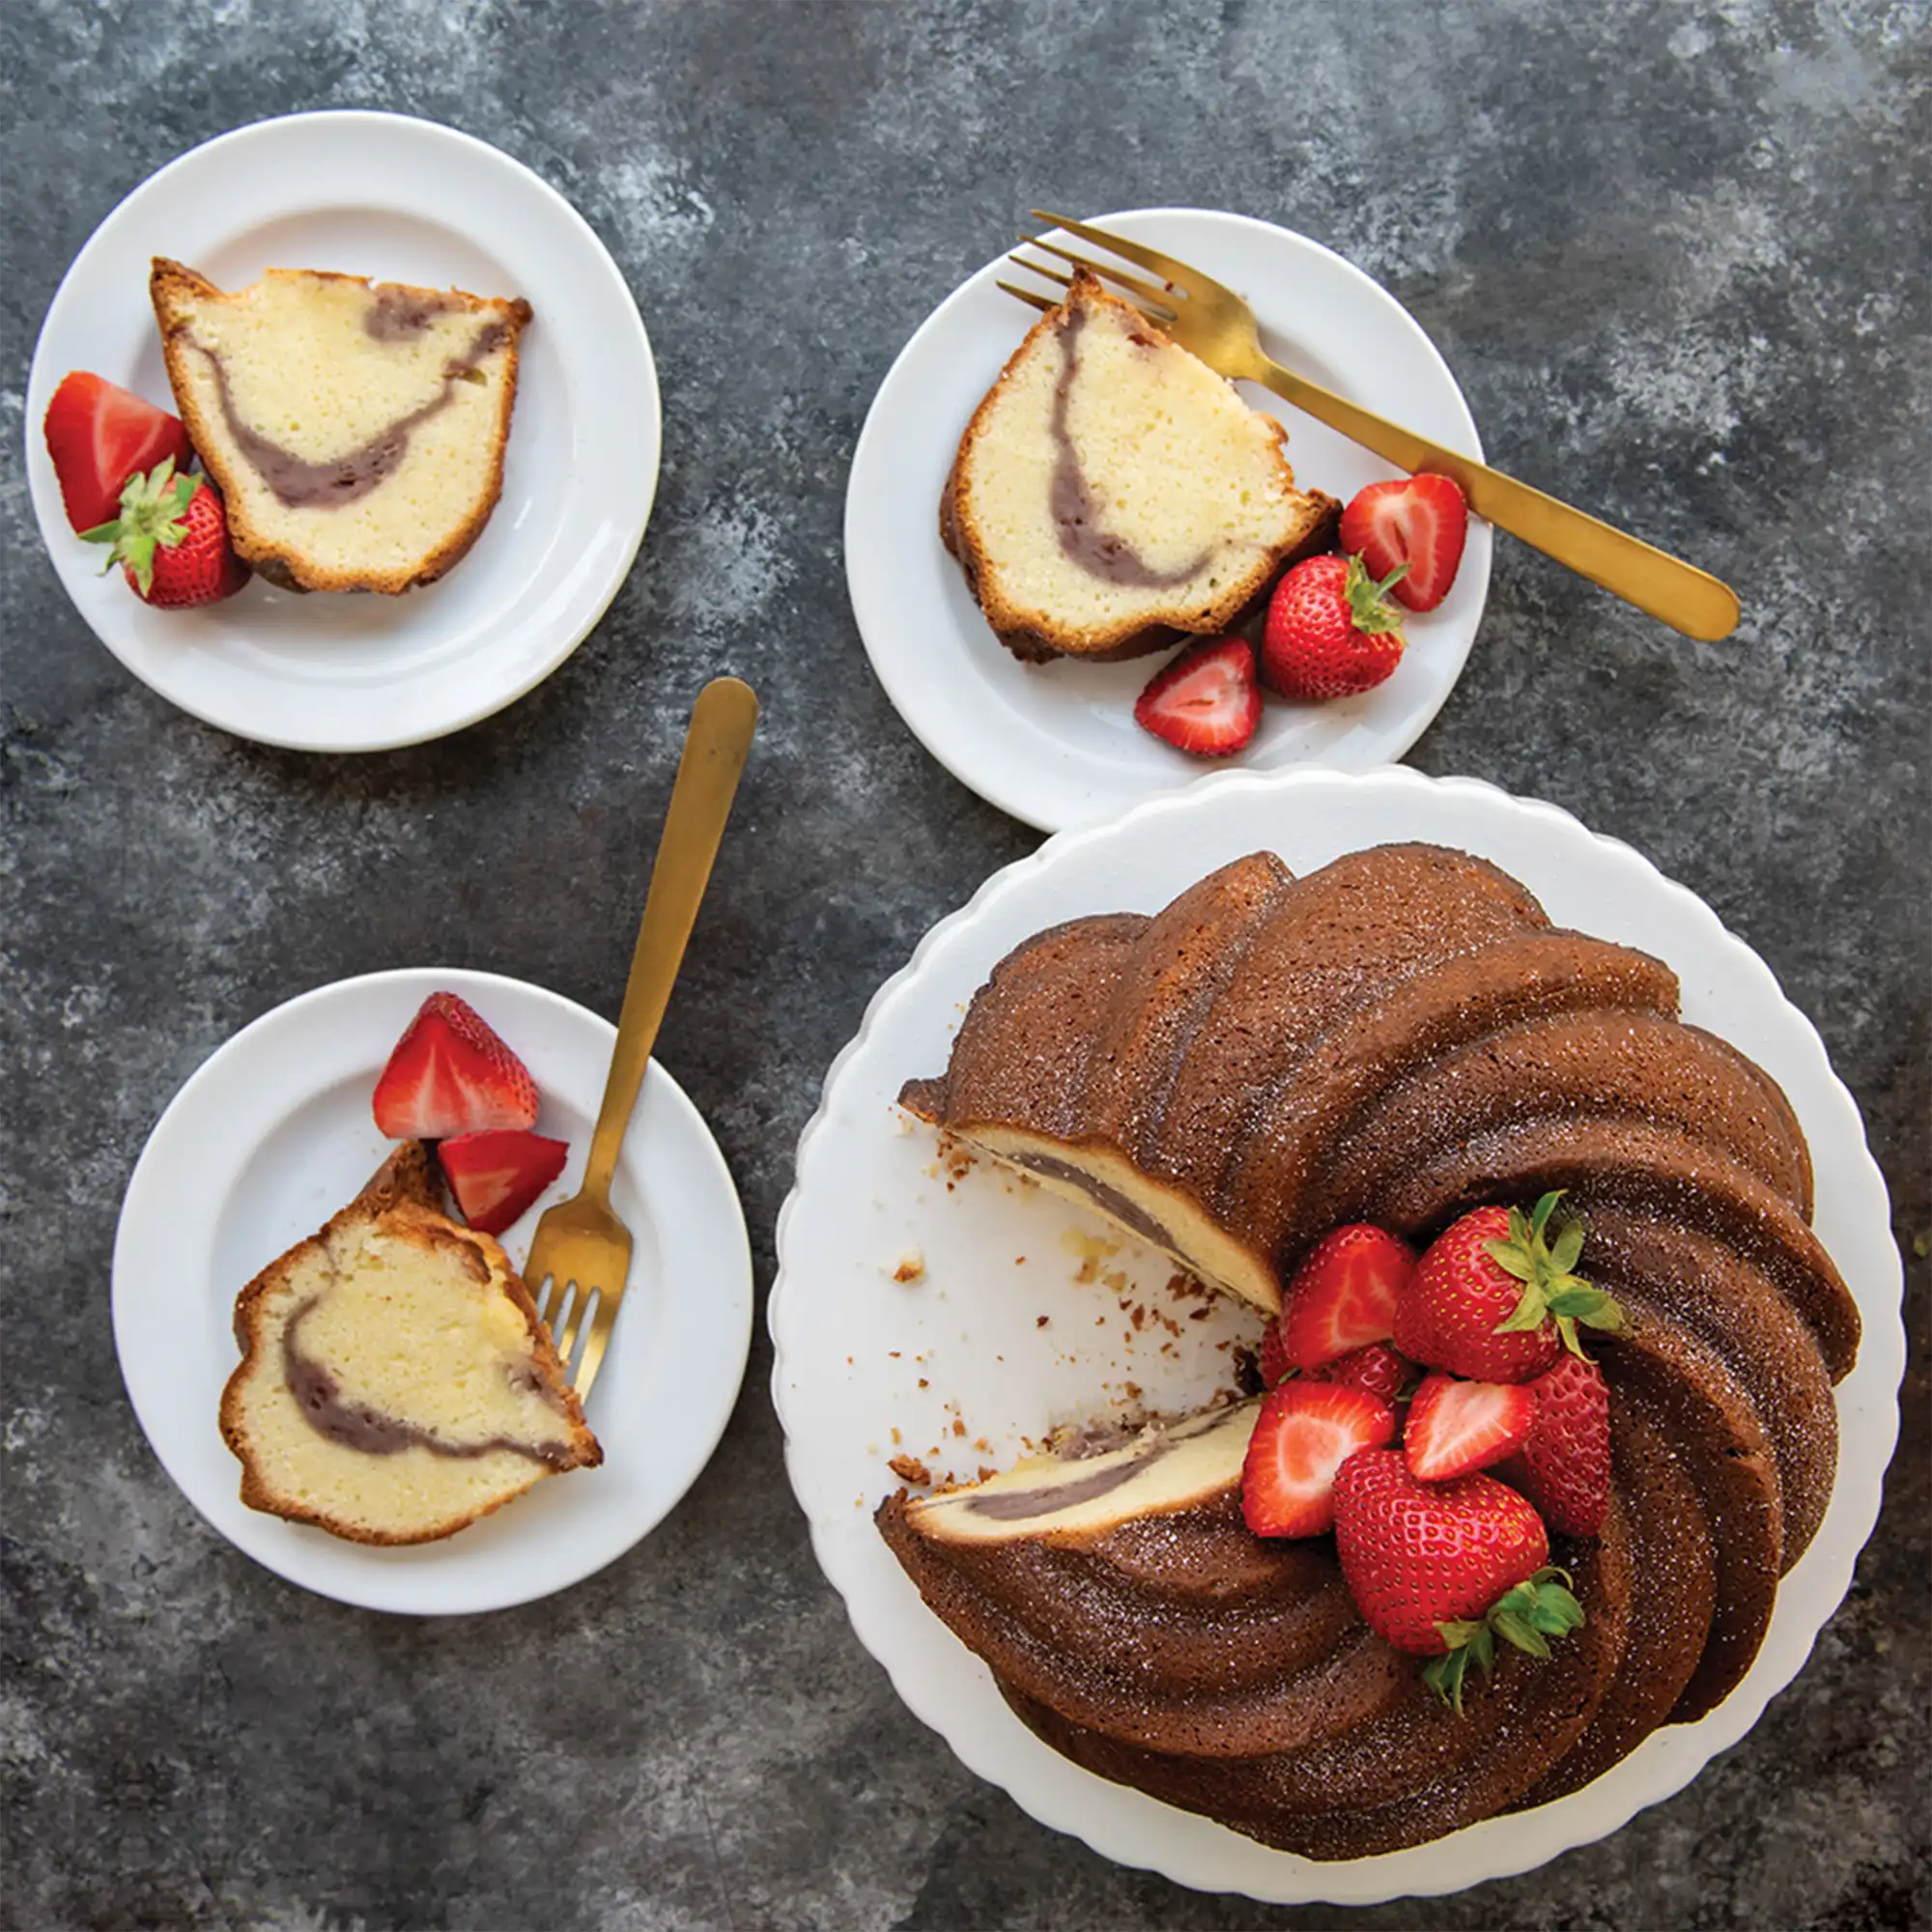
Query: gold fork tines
581 1258
1210 320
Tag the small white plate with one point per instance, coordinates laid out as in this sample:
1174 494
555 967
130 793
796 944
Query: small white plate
402 200
273 1133
1056 745
859 1355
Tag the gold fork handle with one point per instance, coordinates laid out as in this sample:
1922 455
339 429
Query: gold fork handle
1686 598
716 746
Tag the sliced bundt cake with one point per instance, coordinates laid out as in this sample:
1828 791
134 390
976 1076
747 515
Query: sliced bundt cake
1113 493
355 429
396 1383
1396 1039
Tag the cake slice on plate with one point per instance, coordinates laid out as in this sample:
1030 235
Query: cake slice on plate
396 1381
355 429
1112 493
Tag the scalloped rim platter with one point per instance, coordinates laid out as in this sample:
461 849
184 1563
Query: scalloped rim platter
404 200
852 1344
273 1133
1056 745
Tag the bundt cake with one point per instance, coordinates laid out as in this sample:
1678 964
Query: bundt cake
396 1383
1396 1039
1113 493
355 429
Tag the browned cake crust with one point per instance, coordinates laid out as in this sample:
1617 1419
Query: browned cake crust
1397 1037
1239 605
404 1197
171 285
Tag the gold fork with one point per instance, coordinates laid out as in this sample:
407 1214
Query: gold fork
581 1244
1213 323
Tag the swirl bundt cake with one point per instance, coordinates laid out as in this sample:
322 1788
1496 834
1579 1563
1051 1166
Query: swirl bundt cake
1113 494
1396 1039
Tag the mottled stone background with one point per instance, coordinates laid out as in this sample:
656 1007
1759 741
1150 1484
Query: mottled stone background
1676 256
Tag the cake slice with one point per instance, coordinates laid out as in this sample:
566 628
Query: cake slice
355 429
1113 493
396 1381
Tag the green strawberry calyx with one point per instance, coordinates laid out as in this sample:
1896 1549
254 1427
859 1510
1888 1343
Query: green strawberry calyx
1550 1290
1529 1615
1368 607
153 511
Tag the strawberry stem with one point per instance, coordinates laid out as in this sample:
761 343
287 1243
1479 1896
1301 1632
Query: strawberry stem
1550 1288
1527 1616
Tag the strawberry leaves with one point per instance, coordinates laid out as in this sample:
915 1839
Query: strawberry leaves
1550 1288
1527 1616
152 508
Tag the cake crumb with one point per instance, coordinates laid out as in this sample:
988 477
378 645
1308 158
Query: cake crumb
1040 1322
910 1470
959 1426
911 1267
987 1472
924 1383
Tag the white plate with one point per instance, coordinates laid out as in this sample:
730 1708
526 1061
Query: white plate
1056 743
403 200
866 1195
273 1133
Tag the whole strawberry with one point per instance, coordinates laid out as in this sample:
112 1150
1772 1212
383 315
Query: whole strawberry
1494 1299
1564 1465
1441 1570
1375 1368
1331 630
171 541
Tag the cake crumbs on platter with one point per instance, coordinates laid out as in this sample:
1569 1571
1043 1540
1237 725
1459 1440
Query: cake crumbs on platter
911 1266
910 1470
1041 1321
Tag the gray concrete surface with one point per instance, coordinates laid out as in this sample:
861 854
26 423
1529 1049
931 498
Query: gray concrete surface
1675 255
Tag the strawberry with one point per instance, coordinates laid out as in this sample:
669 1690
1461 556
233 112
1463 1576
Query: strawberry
171 541
449 1075
1305 1432
1565 1465
1275 1365
1331 630
98 436
1441 1570
1344 1296
1493 1300
497 1173
1457 1427
1375 1368
1418 522
1206 702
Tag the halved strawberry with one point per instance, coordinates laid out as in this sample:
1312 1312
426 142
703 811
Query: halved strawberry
98 436
449 1074
1457 1427
1344 1296
1207 701
497 1173
1375 1368
1565 1465
1420 521
1305 1432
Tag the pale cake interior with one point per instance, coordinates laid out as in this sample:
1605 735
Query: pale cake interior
420 1332
1179 469
1163 1470
304 370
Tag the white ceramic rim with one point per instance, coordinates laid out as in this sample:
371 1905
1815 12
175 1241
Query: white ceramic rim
616 438
1116 1822
1005 752
691 1219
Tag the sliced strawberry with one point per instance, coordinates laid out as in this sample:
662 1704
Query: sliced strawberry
1305 1432
1344 1296
1276 1368
1565 1465
1207 701
1420 521
98 436
1377 1367
1456 1427
449 1074
497 1173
